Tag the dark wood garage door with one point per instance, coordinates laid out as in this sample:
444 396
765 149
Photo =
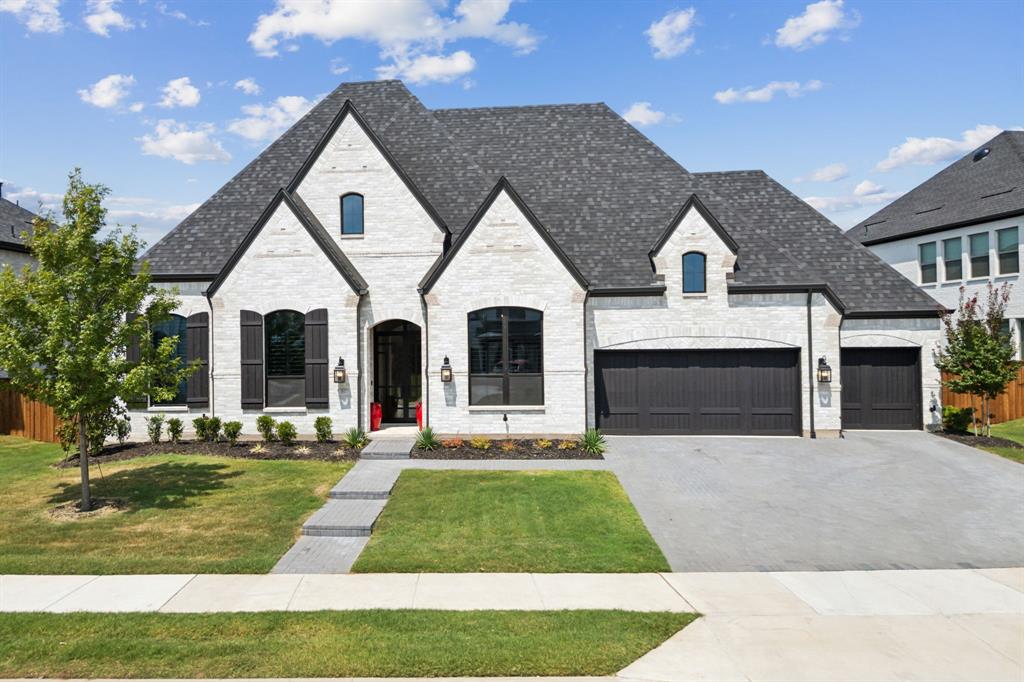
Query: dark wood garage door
698 392
881 388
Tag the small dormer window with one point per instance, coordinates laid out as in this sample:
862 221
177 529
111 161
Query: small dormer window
694 275
352 214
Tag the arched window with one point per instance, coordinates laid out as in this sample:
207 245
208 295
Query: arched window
175 325
694 264
506 357
352 214
286 358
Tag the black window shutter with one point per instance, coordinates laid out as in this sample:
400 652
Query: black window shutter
317 361
198 348
252 360
133 353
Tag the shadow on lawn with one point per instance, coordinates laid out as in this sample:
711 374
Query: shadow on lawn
171 485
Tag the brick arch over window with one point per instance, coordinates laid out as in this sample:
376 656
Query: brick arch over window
695 272
506 356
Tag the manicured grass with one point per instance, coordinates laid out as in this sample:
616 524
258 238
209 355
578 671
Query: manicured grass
329 643
184 514
1011 430
1013 454
494 521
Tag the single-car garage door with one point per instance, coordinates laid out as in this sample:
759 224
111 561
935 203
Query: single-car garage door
881 388
698 392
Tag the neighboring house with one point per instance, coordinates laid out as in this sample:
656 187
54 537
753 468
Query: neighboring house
14 220
530 270
960 228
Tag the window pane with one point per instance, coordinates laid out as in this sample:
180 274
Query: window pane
926 256
951 253
286 392
525 389
486 390
174 326
1009 260
286 358
693 273
485 354
979 255
524 341
351 214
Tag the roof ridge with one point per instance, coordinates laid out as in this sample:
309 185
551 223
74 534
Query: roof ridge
514 107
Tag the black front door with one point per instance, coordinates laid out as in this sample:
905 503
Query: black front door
397 369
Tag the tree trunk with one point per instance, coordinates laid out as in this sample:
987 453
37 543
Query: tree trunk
83 462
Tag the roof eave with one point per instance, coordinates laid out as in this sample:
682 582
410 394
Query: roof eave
945 226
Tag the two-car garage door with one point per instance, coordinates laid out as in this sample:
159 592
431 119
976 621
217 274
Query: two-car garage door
698 391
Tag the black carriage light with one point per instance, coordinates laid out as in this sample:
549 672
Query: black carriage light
446 371
824 371
340 376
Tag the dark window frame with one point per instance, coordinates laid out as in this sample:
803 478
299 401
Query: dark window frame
505 362
181 397
934 264
704 272
1015 251
362 213
267 362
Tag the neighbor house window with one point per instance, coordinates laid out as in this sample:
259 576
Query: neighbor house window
979 255
952 257
694 273
174 326
1009 259
352 214
506 357
286 358
926 257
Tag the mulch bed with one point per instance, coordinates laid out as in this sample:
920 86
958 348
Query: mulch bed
524 449
330 451
981 441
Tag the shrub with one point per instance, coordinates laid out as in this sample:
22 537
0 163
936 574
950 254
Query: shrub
542 444
213 429
302 450
957 419
201 424
324 428
568 444
480 443
258 449
123 429
507 445
355 438
174 429
98 430
154 426
427 440
286 433
232 430
265 424
452 443
592 442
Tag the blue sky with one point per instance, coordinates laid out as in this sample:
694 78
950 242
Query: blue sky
848 103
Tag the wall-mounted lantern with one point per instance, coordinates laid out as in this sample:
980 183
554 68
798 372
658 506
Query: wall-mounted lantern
340 376
824 371
446 371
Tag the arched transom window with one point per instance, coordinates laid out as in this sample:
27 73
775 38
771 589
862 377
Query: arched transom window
506 356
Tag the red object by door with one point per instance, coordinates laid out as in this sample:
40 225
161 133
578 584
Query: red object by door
419 415
376 415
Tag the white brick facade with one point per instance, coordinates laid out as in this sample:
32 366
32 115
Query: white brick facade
15 259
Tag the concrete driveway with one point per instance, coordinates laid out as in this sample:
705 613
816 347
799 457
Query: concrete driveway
873 500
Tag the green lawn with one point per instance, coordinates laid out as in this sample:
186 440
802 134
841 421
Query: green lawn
184 514
494 521
1011 430
329 643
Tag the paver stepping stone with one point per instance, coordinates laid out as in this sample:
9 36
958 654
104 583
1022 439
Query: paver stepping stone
321 555
366 482
344 518
388 448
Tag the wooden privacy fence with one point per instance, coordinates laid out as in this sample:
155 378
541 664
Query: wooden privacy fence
1009 405
20 416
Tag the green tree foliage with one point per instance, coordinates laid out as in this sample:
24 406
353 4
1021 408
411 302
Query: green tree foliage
65 326
979 353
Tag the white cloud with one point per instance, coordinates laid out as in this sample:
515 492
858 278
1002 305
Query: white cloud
180 93
853 201
249 86
101 16
867 188
107 93
136 107
163 9
429 68
338 66
266 121
173 140
672 35
815 25
38 16
829 173
930 150
32 199
641 114
766 93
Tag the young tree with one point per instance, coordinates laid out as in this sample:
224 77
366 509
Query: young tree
65 326
979 353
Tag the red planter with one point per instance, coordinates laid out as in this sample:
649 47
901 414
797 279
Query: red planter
419 416
376 415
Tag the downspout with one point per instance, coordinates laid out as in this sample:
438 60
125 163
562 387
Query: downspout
425 335
213 360
810 364
586 368
359 365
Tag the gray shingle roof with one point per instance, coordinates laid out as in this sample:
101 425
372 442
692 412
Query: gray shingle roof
13 221
966 192
602 190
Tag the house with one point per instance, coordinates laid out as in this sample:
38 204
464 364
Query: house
960 228
14 220
528 270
